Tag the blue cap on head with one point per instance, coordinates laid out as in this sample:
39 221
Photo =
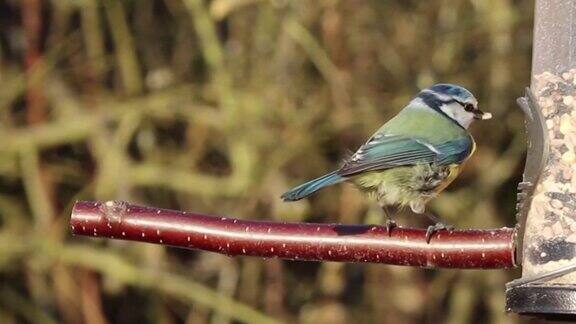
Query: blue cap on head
445 93
452 90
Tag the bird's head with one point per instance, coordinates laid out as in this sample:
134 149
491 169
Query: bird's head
454 102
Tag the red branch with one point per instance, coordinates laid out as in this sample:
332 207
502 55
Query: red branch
484 249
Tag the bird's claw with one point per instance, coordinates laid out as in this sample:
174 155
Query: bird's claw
390 225
435 228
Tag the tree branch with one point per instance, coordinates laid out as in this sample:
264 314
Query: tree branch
483 249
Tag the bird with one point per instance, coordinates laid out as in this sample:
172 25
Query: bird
413 157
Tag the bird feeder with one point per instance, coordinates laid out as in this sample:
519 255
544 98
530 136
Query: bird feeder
547 198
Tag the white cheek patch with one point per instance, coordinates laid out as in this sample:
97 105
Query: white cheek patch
456 112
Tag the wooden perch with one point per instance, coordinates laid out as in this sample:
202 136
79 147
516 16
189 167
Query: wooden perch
481 249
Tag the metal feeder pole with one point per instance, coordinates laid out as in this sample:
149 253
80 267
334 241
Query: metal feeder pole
547 198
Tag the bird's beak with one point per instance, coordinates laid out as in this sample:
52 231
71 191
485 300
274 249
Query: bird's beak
479 114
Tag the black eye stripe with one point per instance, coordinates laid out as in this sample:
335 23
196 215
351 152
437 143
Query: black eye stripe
467 106
435 103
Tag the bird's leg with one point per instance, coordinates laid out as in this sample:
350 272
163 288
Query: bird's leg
390 223
438 226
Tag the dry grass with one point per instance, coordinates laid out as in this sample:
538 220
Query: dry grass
219 107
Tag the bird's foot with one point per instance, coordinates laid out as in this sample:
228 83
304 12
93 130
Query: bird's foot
435 228
390 225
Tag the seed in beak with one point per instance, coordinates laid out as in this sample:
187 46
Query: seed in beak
479 114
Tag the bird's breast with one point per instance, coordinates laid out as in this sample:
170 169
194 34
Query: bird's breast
452 172
403 185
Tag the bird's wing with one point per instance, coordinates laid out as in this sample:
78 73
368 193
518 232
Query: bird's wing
388 151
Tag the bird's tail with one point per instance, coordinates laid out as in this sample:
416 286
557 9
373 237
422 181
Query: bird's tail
312 186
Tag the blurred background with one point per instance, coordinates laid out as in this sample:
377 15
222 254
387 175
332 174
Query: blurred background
219 107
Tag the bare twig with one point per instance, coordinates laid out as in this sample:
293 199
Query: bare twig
485 249
32 20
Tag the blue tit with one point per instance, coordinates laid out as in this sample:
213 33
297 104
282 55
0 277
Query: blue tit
412 157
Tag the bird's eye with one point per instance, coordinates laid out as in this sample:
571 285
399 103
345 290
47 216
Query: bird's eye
469 107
